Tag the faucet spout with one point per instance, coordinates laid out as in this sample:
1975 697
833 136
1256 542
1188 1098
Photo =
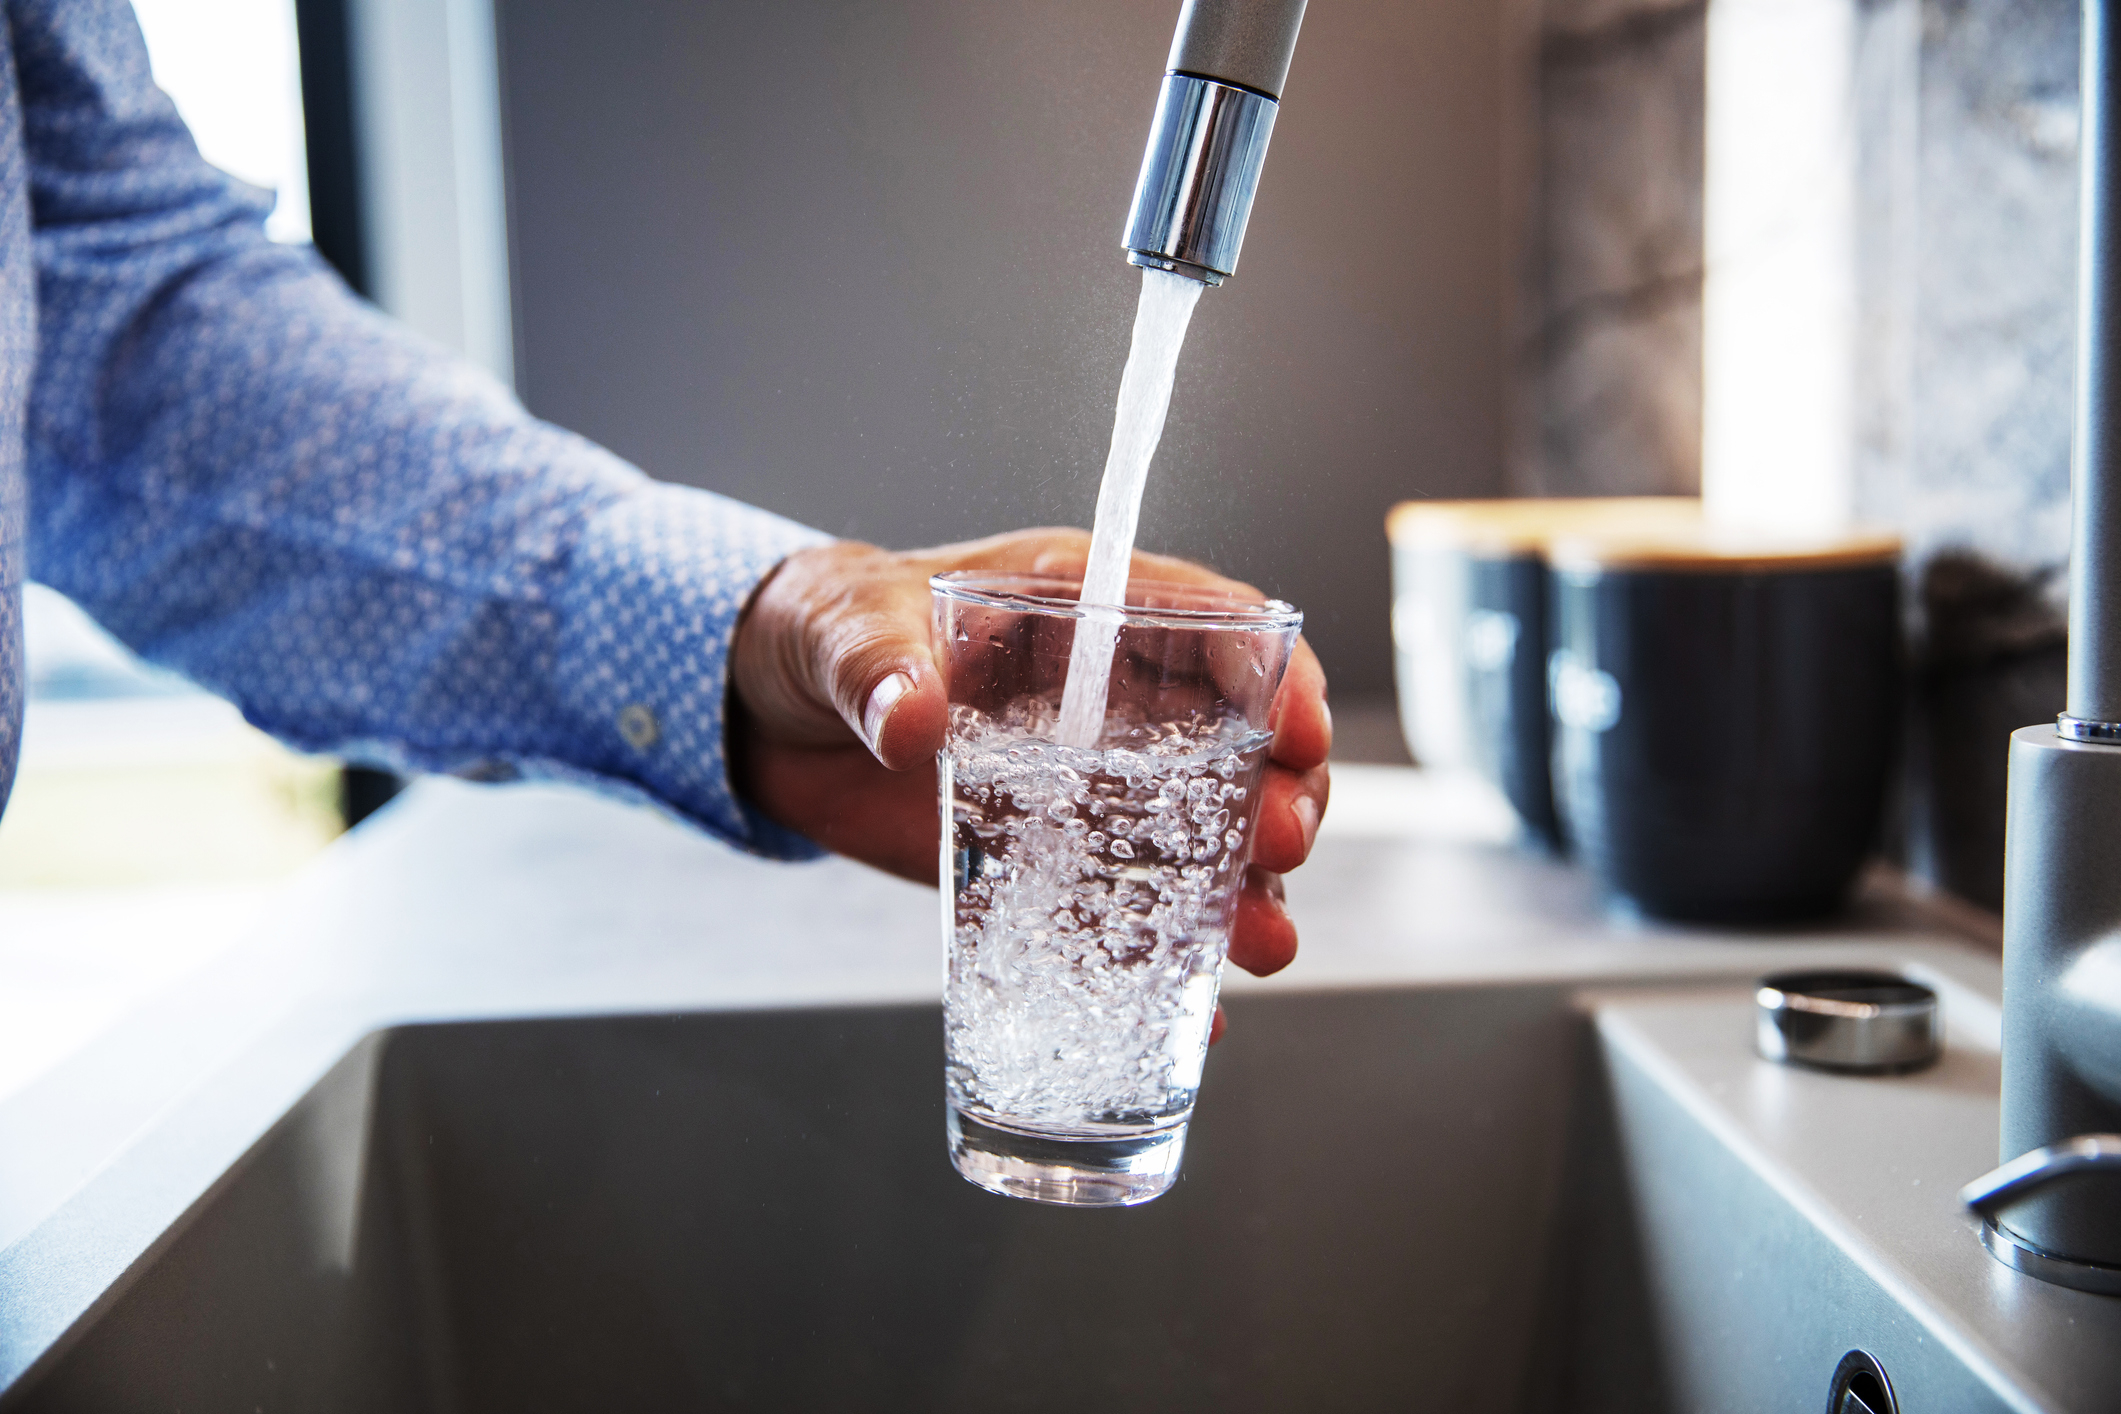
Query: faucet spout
1208 141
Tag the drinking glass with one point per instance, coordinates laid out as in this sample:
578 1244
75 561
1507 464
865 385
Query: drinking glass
1090 889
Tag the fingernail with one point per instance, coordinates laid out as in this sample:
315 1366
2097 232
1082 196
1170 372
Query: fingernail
881 701
1307 820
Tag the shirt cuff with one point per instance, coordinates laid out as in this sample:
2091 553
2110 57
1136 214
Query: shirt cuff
647 610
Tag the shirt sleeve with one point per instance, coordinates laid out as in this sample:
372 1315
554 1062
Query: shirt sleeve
367 544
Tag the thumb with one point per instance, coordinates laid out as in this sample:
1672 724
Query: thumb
877 668
836 640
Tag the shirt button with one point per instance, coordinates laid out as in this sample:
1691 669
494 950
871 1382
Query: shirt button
638 725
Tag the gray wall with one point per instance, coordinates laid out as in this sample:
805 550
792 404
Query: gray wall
857 261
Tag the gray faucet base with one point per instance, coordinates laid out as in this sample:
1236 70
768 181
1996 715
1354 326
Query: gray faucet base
2006 1248
2062 988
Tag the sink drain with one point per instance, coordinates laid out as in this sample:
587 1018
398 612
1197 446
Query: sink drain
1860 1387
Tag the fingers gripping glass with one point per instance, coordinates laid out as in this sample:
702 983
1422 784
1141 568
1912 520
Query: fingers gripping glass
1089 892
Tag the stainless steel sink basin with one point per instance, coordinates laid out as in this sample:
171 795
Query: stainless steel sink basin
1446 1197
755 1211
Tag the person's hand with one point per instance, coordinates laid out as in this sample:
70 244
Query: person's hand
837 710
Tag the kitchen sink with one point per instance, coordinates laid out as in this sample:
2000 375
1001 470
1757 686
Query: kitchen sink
1452 1197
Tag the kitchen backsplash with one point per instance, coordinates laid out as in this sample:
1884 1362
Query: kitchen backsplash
1963 121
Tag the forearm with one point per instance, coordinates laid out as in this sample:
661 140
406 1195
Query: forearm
250 475
372 549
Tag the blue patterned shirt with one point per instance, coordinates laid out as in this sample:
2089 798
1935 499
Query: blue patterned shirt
247 474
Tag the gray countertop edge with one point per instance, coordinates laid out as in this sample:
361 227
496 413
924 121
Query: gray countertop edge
1893 1209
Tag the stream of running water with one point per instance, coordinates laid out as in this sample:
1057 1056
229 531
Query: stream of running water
1160 322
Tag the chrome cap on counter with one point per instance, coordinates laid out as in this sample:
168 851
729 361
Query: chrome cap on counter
1850 1021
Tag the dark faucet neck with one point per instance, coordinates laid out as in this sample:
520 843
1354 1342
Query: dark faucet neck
1243 43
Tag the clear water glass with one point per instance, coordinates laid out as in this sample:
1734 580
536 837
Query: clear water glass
1089 891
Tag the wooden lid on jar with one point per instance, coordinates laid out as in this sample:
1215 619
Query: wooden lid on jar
1706 549
1529 525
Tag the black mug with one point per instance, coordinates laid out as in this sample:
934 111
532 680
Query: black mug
1726 718
1470 597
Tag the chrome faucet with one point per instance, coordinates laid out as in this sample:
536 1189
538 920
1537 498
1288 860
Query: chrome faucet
2054 1211
1222 88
